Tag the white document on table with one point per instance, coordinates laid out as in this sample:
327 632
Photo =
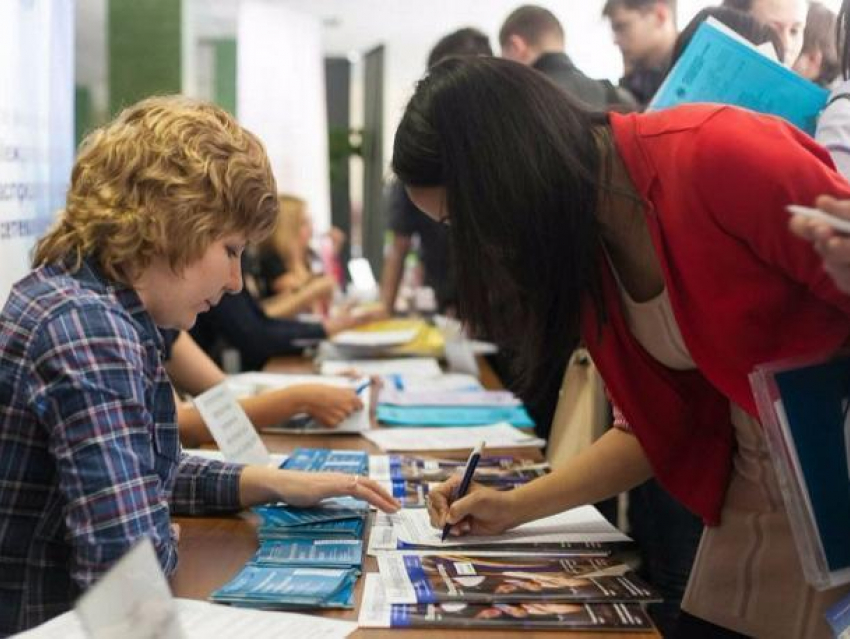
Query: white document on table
375 339
375 610
501 435
230 427
201 620
412 366
217 455
250 384
583 524
448 398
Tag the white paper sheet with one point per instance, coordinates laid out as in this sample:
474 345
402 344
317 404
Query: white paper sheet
250 384
201 620
583 524
412 366
500 435
217 455
375 610
374 339
230 427
448 398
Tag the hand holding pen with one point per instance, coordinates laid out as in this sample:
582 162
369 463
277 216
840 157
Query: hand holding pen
483 511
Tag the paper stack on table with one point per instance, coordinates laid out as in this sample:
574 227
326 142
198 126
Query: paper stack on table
422 439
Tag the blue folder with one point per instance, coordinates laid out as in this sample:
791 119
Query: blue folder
717 67
453 415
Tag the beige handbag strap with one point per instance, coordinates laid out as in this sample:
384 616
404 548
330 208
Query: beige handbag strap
581 415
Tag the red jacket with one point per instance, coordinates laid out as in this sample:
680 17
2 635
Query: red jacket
715 181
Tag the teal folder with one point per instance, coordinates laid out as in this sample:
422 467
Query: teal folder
718 67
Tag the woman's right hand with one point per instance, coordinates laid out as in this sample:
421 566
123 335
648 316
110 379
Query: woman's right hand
483 511
329 405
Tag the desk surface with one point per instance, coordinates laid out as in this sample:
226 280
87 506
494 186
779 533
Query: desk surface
214 549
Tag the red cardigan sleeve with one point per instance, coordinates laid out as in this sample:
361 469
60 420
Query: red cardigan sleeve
773 167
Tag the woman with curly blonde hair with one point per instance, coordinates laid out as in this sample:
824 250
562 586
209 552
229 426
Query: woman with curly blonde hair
161 205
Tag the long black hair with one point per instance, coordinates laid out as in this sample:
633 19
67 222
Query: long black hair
520 162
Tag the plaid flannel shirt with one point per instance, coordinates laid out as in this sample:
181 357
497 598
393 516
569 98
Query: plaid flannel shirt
90 456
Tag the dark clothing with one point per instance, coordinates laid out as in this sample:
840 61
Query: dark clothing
406 220
643 83
597 94
240 323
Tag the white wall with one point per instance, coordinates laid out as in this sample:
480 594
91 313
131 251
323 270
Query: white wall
281 97
36 125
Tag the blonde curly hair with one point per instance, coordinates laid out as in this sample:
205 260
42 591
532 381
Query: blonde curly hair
167 177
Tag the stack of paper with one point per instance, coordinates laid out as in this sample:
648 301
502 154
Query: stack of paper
409 479
407 366
276 587
421 439
285 522
410 579
310 553
377 612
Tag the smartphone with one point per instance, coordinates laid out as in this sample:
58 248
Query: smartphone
838 223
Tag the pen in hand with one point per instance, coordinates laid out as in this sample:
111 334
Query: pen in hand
468 472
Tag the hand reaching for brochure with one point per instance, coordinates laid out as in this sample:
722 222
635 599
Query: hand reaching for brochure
484 511
308 489
833 245
329 405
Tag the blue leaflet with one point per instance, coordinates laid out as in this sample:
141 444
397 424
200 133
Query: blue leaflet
353 462
316 553
453 415
286 587
716 67
287 516
815 400
342 529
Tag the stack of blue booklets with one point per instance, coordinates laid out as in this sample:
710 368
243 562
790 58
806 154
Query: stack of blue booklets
287 587
310 553
321 460
451 408
320 522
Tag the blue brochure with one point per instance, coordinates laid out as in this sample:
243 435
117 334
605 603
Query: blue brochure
453 415
718 67
287 516
287 587
816 400
353 462
340 529
316 553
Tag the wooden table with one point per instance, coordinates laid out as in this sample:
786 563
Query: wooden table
214 549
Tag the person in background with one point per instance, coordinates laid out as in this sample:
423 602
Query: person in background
644 31
90 459
407 222
286 282
533 36
192 371
741 23
602 234
240 336
833 132
818 60
786 17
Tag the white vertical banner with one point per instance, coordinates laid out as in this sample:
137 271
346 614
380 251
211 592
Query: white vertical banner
36 125
281 98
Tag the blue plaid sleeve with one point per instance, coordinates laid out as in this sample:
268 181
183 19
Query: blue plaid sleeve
205 486
94 392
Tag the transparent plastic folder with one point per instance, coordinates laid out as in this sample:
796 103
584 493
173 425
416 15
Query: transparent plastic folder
804 407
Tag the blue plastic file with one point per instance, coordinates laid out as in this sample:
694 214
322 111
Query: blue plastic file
815 400
717 67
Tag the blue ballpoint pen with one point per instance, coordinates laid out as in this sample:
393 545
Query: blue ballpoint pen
468 472
363 386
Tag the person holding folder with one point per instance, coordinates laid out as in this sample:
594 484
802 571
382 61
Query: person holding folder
161 204
660 240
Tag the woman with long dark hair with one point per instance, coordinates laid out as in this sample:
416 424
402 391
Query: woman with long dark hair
660 242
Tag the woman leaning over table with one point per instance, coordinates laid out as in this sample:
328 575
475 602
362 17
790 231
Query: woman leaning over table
161 205
659 240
